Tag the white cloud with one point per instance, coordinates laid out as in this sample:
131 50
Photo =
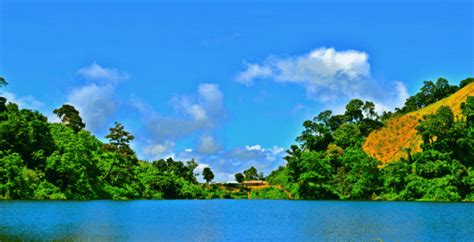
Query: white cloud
193 113
98 72
253 147
159 151
252 72
401 93
393 99
200 168
320 68
329 76
211 95
207 145
95 103
187 106
27 102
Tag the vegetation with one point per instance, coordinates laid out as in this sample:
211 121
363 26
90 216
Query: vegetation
399 133
335 157
329 163
207 174
41 160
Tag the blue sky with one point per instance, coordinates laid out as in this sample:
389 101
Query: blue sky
226 83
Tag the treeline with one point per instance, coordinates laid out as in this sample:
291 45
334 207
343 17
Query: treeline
41 160
328 161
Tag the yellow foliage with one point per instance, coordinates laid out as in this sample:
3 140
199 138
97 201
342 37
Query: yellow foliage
390 142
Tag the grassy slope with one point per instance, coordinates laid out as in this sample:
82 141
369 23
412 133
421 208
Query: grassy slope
389 143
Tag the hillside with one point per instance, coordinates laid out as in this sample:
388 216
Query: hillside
389 143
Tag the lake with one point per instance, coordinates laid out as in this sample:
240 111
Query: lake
235 220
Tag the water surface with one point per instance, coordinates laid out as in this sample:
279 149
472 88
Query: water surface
235 220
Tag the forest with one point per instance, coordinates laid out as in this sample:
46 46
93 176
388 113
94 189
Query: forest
42 160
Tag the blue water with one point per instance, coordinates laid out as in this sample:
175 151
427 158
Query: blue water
235 220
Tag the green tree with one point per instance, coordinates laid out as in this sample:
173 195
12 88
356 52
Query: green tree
121 164
73 165
207 174
465 82
70 117
348 135
251 174
119 140
27 133
3 82
315 181
395 176
354 110
357 175
239 177
438 130
13 183
184 170
468 110
315 136
429 93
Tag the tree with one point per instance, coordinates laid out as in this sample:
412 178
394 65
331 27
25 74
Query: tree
3 82
358 176
468 110
465 82
354 110
335 121
348 135
315 136
27 133
122 158
315 181
437 130
70 117
178 168
119 140
13 184
73 166
207 174
239 177
251 174
429 93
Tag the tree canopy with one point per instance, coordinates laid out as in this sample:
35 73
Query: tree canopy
70 117
42 160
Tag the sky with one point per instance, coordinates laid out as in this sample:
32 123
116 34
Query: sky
227 83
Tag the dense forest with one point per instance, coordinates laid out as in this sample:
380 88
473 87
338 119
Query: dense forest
43 160
328 161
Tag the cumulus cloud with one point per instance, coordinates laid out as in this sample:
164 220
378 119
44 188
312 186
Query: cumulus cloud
95 103
211 95
98 72
159 151
199 114
252 72
393 99
327 75
200 168
189 107
196 113
207 145
26 102
96 100
193 113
